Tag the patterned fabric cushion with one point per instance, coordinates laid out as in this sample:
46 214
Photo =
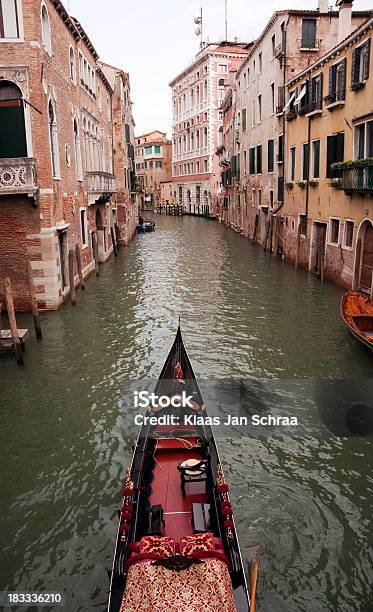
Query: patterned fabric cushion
194 544
165 547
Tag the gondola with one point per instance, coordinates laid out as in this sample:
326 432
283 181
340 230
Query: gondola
357 313
143 228
177 546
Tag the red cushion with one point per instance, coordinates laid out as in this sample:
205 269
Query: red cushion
199 542
157 544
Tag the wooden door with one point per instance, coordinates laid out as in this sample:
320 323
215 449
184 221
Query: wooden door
367 260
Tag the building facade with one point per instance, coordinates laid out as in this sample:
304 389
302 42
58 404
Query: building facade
57 179
329 209
197 93
292 40
153 152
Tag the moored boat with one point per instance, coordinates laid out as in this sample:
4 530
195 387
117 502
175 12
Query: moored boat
143 228
357 313
177 547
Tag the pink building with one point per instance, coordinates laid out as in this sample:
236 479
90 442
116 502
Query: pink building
197 94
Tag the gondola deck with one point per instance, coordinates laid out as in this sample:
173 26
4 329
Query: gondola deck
184 508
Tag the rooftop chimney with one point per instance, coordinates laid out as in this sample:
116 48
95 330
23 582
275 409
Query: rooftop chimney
323 6
345 18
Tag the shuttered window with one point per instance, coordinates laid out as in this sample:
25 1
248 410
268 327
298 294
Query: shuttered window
280 155
308 33
259 159
244 119
305 161
252 161
360 65
334 152
316 159
337 82
271 151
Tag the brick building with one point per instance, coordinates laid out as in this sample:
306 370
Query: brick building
153 166
58 186
197 93
329 210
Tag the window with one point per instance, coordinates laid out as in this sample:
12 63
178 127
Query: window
308 33
252 160
315 102
260 62
259 108
157 149
273 43
254 197
205 91
9 26
364 140
316 159
254 114
271 154
46 30
334 231
348 234
222 68
337 82
72 64
205 165
12 121
197 167
150 165
334 152
303 224
83 227
158 165
244 80
280 154
148 150
244 119
254 69
272 98
360 65
53 140
259 159
259 197
244 162
271 198
292 164
78 155
305 161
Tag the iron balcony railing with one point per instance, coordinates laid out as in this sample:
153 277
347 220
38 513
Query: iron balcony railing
17 175
101 182
356 178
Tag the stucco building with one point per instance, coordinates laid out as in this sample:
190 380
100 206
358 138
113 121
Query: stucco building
197 93
58 186
153 166
329 208
291 41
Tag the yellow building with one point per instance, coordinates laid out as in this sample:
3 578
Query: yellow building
329 180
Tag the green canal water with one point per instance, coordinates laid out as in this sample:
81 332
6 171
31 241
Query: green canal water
303 499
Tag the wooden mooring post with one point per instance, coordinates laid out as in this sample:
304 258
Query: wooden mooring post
12 321
34 302
71 278
297 251
95 253
113 239
79 266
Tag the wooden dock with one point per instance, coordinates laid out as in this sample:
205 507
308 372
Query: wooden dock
6 340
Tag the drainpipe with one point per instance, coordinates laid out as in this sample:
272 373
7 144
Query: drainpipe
308 170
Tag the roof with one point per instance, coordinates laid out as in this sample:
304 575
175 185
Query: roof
222 48
84 37
359 31
295 12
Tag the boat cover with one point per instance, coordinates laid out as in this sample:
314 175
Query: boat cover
203 587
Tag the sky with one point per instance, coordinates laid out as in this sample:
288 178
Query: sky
154 40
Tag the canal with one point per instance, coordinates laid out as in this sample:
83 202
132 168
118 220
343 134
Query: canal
303 499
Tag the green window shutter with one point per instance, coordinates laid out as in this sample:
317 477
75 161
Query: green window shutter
340 147
12 131
367 59
271 148
244 119
157 149
332 82
355 66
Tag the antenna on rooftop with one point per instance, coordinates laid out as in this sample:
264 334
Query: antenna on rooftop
226 19
199 22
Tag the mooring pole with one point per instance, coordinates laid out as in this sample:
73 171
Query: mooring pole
34 302
12 321
71 278
79 266
95 253
115 248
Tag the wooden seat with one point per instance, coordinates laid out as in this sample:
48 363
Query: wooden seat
201 517
192 470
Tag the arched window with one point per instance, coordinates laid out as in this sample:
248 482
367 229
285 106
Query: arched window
192 142
78 155
12 121
221 83
197 140
53 140
220 136
205 137
197 94
192 98
205 197
46 30
72 64
205 91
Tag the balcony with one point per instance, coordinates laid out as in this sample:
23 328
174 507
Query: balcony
18 176
309 44
99 182
315 106
355 176
335 99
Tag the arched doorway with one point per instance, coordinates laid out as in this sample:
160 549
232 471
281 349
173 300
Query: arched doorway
364 257
12 120
99 224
